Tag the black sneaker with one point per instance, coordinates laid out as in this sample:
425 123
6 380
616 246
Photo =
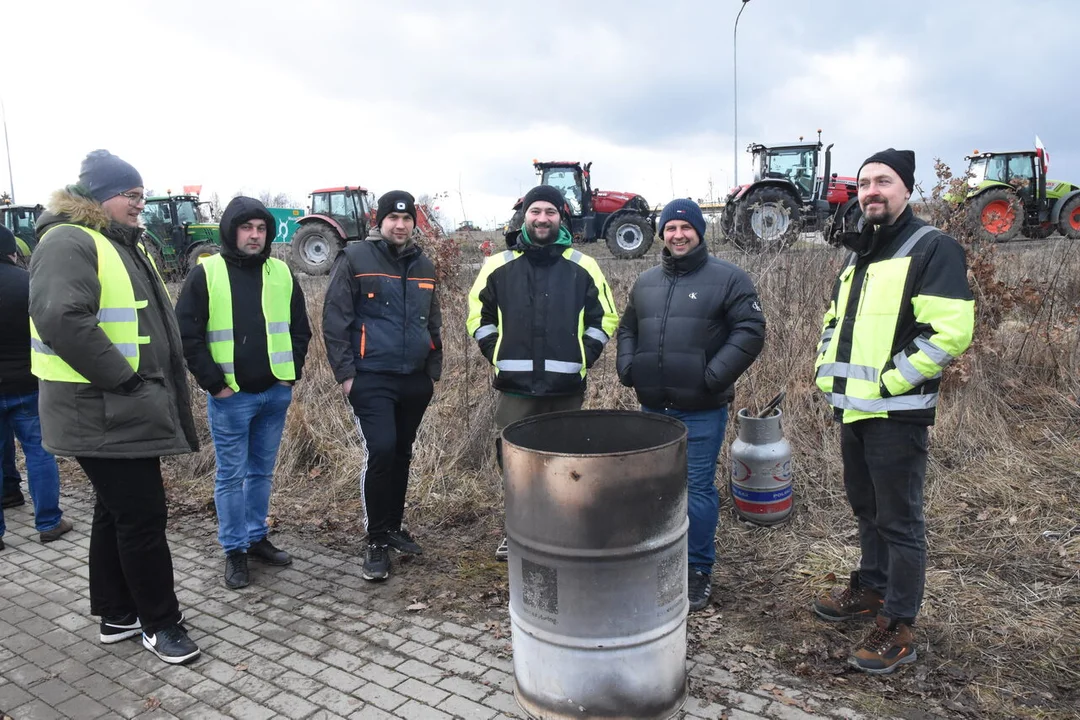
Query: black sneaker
264 550
13 500
171 645
699 589
376 561
502 553
402 541
114 630
236 570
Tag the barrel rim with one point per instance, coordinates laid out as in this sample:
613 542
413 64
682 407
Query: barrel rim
744 414
637 414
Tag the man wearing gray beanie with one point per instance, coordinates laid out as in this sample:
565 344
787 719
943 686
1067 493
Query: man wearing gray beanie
113 392
879 364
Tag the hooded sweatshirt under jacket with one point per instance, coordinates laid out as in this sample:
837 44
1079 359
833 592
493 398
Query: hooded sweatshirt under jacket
253 372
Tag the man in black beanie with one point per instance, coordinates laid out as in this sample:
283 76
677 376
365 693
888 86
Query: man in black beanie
383 332
901 311
540 302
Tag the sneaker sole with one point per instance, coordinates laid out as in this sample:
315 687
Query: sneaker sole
264 561
236 586
177 660
907 659
374 578
120 636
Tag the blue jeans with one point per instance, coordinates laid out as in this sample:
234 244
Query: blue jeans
705 437
246 429
12 479
20 414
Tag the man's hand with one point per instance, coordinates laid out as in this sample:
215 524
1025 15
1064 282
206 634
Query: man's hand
346 387
227 392
286 383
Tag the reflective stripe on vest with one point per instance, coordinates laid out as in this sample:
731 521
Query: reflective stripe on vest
877 314
117 314
277 287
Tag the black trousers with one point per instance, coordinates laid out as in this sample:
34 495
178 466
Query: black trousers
130 563
388 411
884 474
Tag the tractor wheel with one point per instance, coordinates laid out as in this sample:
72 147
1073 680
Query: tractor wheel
1069 224
512 231
199 252
314 247
996 215
167 274
1037 232
629 236
768 219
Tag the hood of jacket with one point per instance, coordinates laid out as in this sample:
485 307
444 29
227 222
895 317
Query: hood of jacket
237 212
70 206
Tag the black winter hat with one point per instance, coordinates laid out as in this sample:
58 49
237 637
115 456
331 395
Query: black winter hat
103 175
8 246
395 201
902 161
550 194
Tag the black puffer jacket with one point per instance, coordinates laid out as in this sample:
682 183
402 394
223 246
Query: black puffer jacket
15 375
253 373
692 326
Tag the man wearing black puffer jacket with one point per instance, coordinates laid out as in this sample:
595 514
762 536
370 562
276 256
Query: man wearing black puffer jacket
382 326
691 327
245 332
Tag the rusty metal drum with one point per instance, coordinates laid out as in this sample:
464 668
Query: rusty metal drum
760 484
596 523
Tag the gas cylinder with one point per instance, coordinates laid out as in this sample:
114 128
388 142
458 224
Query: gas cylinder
761 469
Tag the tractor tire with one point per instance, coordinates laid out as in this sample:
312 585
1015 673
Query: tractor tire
996 215
1037 232
512 231
629 236
844 221
1069 224
167 274
199 252
314 247
767 220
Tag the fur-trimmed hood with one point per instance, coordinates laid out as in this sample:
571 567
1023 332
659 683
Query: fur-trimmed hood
68 206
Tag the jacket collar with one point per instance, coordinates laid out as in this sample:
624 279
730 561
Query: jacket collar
874 238
686 264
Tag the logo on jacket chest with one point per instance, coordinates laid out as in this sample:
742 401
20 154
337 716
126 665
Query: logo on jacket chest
693 296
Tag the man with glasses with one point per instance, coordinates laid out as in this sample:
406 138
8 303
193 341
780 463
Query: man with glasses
113 392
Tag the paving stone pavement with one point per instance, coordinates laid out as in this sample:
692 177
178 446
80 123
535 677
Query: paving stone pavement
312 640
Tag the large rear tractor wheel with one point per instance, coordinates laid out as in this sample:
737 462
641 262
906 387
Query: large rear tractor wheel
767 220
996 215
1069 224
629 236
314 247
197 253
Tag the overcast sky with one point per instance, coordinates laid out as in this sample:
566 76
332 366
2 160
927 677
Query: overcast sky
459 97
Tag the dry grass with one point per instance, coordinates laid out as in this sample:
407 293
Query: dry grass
1000 626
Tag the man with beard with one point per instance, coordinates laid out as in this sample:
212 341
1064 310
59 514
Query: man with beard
692 326
541 313
901 311
245 330
383 331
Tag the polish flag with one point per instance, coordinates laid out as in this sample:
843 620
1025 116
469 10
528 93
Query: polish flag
1040 150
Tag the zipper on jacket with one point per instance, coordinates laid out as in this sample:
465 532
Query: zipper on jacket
663 326
363 339
864 291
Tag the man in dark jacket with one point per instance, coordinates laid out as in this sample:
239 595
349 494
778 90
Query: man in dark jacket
541 313
692 326
114 392
879 364
245 331
383 332
19 396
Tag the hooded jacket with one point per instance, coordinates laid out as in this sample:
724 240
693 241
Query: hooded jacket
253 373
15 375
100 419
691 327
381 312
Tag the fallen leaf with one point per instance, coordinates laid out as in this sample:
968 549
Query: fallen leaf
152 703
416 607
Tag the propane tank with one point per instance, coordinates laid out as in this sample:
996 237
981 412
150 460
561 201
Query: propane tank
760 483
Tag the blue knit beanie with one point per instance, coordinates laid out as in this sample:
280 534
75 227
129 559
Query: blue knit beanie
684 209
103 175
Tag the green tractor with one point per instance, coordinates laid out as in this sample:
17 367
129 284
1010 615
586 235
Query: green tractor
179 232
1009 195
21 220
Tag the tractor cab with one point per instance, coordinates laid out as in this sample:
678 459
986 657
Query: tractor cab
348 208
21 220
572 180
1021 169
795 163
178 226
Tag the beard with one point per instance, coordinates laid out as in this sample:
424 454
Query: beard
550 232
876 216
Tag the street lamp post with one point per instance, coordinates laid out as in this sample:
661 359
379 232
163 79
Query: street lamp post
735 73
7 149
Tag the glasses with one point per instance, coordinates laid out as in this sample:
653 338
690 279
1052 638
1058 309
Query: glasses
133 198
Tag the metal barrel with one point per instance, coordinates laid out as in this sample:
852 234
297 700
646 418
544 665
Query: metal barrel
596 522
761 470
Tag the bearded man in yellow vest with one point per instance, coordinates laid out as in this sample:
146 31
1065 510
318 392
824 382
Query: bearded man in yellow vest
113 392
901 311
245 331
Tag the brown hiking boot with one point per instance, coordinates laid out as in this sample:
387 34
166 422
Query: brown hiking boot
853 602
54 534
888 646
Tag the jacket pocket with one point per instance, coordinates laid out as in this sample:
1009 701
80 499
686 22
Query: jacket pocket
145 414
373 296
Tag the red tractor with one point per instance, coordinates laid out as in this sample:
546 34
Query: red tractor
787 197
339 215
624 220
